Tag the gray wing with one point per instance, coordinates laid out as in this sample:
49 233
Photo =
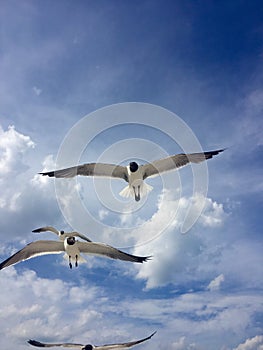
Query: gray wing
46 228
50 345
108 251
66 234
91 169
80 235
123 345
175 162
34 249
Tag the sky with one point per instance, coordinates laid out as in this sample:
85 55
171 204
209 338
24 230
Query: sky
115 81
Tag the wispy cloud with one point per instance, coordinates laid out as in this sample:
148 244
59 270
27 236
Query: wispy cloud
216 283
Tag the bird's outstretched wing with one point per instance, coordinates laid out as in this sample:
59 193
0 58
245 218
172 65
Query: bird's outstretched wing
80 235
175 162
50 345
123 345
33 249
106 250
81 346
46 228
91 169
62 236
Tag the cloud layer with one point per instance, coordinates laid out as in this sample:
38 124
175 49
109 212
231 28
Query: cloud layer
62 61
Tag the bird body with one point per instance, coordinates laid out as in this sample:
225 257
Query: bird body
137 188
134 174
72 250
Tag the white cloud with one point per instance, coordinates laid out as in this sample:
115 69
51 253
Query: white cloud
216 283
35 308
55 310
176 257
47 164
182 344
213 214
28 200
103 214
255 343
37 91
210 249
200 320
13 146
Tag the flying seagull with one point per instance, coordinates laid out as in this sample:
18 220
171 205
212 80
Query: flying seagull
89 346
73 249
61 234
134 174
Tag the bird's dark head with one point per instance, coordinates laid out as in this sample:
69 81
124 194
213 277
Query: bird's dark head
62 233
88 347
133 167
71 240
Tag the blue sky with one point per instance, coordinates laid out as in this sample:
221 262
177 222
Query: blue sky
65 63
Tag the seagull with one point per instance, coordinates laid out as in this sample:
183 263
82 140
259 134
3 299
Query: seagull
72 248
134 174
61 234
89 346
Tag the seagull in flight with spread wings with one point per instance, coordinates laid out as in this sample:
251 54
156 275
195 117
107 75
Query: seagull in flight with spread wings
61 234
72 248
134 174
89 346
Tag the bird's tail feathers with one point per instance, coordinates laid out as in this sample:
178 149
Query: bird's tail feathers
128 192
145 189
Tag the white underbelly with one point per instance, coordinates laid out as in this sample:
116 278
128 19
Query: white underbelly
72 250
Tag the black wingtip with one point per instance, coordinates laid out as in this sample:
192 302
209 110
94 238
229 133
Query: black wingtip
150 336
146 258
220 150
4 263
210 154
37 230
216 151
49 173
36 343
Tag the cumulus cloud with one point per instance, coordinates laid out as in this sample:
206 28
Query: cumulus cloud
24 200
213 214
47 164
176 257
13 146
54 310
37 305
255 343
